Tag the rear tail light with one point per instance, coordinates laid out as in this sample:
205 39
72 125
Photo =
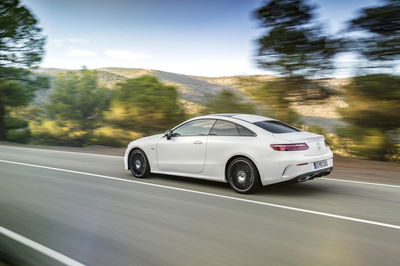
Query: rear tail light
290 147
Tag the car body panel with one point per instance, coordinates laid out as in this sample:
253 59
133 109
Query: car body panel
315 142
182 154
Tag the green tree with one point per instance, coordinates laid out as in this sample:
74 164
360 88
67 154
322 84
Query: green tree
21 41
373 112
143 106
294 44
17 88
75 109
21 45
374 99
227 102
294 48
382 25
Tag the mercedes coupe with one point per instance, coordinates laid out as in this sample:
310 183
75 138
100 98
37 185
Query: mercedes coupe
246 151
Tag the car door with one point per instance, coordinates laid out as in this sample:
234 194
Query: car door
185 152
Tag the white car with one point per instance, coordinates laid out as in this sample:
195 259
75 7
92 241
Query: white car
247 151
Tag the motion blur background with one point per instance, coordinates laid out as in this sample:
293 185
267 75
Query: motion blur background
82 73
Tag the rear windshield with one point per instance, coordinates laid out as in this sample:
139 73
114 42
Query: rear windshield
276 127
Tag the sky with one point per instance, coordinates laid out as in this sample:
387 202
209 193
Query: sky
195 37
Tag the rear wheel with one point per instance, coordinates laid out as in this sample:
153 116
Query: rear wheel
243 176
138 164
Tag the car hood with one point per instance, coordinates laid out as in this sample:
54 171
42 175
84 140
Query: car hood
149 139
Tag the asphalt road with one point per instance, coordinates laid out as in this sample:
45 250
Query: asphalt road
88 209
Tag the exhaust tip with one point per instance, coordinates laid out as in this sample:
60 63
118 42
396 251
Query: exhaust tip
304 178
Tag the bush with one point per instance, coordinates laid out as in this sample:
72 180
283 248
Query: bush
21 135
144 105
74 110
227 102
369 143
393 154
57 133
114 137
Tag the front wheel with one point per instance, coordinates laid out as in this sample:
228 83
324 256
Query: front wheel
138 164
243 176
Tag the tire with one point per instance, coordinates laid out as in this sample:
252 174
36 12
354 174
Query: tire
139 164
243 176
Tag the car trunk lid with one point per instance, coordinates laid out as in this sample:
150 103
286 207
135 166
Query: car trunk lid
315 142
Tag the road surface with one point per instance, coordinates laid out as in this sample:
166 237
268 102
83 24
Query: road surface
71 208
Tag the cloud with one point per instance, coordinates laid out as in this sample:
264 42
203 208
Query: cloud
126 55
80 52
77 40
68 41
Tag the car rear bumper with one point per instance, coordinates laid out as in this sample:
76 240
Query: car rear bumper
314 174
306 165
288 166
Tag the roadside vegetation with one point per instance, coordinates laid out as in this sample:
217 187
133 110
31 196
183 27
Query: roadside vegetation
296 48
83 109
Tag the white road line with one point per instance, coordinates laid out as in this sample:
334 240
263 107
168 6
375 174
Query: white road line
39 247
120 157
360 182
213 195
72 152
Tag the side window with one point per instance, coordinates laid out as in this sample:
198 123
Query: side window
244 131
224 128
194 128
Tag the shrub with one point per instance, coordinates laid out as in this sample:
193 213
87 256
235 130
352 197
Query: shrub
115 137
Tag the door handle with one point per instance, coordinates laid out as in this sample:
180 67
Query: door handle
198 142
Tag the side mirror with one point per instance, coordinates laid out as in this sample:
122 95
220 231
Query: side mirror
168 134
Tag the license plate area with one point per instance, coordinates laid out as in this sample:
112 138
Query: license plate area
320 164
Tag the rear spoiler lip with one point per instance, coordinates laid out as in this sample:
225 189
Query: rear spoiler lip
299 139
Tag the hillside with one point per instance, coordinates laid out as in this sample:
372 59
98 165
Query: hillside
193 89
322 112
196 90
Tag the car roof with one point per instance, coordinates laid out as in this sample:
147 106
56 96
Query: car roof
244 117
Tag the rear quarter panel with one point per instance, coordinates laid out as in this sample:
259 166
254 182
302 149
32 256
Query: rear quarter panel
270 164
221 148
